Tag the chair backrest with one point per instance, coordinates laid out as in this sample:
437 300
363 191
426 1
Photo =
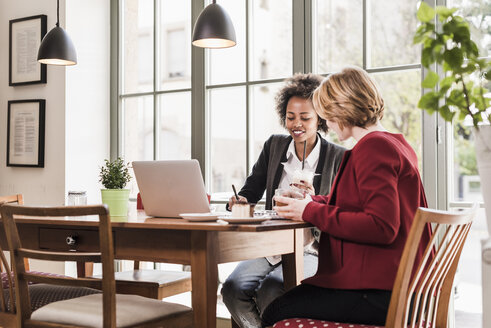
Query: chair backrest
4 265
12 199
18 253
420 297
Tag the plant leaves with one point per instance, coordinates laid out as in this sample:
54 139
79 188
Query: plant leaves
445 85
454 58
427 57
430 80
425 12
487 75
444 12
447 82
446 113
456 98
429 102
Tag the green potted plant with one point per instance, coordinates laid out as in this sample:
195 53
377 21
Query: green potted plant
114 176
462 89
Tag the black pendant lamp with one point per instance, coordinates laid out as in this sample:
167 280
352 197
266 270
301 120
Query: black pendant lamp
214 28
56 47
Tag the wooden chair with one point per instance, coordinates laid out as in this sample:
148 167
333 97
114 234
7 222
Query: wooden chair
152 283
12 199
106 309
40 294
421 300
148 283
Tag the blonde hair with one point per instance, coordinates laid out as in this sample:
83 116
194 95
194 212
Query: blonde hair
349 98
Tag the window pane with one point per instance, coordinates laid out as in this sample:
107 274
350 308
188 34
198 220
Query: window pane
478 14
175 50
271 39
468 280
401 92
228 138
137 133
390 33
264 119
175 126
337 35
466 184
137 46
228 65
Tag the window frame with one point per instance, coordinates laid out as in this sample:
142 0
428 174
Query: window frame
434 130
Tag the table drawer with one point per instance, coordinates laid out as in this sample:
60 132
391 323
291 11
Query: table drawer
67 239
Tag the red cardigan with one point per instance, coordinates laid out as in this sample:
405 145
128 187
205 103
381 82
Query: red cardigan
365 220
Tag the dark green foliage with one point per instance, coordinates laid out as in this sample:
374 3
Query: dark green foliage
465 73
115 174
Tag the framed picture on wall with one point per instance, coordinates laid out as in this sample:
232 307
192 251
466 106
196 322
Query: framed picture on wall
24 39
25 132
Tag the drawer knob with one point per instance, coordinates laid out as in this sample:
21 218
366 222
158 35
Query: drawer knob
71 240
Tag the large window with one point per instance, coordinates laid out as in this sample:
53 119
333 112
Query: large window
155 80
240 83
374 35
169 109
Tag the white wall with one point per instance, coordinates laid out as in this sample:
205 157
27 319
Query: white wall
87 96
77 106
39 185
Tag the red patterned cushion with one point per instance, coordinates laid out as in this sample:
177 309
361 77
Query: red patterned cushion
311 323
5 281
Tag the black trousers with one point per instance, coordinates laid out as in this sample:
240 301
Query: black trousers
368 306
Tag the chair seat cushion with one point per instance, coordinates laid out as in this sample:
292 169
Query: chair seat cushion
312 323
159 277
42 294
87 311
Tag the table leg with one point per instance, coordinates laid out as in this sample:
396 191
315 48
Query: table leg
293 262
85 269
204 277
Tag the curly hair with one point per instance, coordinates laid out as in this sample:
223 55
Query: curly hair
302 86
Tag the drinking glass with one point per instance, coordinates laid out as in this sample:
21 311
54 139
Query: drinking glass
286 192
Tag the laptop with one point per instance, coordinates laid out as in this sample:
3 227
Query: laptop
168 188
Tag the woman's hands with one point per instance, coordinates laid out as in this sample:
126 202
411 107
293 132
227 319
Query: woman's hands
294 207
305 187
233 201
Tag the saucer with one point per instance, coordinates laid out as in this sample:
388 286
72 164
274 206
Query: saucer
200 217
230 219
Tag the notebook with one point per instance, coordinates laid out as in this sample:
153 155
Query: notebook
168 188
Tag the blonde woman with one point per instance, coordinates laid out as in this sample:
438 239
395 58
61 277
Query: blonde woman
366 217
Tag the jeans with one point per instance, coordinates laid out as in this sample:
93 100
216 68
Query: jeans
253 285
367 306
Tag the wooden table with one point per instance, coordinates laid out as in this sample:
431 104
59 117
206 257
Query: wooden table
202 245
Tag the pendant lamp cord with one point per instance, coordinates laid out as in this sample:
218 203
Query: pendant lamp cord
58 13
214 1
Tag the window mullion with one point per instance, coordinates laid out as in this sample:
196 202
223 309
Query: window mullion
247 90
156 79
115 84
298 36
198 108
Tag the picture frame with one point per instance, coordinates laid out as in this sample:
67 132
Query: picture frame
26 121
25 35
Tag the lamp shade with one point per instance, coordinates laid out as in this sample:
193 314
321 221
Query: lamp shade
214 28
57 48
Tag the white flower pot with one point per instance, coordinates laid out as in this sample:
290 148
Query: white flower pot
483 154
